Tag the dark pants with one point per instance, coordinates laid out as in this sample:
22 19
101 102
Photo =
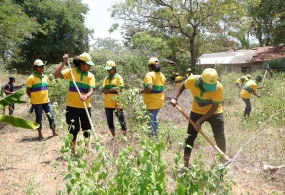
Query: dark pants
75 117
110 118
11 108
39 108
247 109
217 123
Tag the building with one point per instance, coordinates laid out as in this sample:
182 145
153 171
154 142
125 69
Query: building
245 61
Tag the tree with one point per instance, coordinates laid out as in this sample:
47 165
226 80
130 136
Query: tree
61 31
182 18
268 21
151 46
15 27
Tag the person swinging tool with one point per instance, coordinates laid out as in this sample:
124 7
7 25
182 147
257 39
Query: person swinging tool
76 115
206 106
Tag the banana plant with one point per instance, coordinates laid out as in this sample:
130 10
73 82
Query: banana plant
13 120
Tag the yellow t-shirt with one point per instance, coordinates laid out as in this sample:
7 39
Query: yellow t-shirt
84 82
242 80
178 81
154 99
248 89
188 75
109 83
202 101
39 88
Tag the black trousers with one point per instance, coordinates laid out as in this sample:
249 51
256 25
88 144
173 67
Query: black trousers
247 109
217 123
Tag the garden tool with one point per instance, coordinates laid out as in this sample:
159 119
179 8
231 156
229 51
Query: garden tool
205 136
264 77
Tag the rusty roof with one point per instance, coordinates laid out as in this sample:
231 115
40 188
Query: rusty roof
268 53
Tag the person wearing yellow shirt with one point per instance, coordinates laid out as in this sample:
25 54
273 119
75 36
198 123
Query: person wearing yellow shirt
207 94
37 90
178 80
153 92
249 88
110 88
188 72
76 115
242 80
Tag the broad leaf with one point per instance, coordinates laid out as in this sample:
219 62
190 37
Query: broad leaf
18 122
14 98
1 93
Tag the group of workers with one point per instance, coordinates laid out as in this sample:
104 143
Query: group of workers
178 79
249 87
206 90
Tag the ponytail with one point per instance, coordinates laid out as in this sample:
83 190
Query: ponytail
155 67
77 62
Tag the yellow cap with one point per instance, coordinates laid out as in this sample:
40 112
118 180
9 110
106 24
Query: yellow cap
109 65
210 78
153 61
38 63
86 58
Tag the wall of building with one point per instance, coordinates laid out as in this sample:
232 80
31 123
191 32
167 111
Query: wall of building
245 68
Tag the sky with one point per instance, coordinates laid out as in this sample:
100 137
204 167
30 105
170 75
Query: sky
99 19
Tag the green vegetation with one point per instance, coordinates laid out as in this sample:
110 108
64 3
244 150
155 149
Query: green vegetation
13 120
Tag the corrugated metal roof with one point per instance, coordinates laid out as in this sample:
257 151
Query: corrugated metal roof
232 57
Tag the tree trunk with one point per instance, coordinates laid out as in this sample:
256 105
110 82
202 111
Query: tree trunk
192 50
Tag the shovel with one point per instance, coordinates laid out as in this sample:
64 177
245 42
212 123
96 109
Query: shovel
204 135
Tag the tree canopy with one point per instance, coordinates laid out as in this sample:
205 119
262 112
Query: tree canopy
60 29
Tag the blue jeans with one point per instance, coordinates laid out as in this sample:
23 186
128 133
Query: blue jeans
110 118
153 125
39 108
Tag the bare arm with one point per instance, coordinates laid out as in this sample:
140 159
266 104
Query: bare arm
57 73
254 93
147 90
8 92
87 95
108 90
28 91
174 100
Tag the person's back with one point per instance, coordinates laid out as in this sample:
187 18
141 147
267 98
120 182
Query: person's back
242 80
155 98
178 80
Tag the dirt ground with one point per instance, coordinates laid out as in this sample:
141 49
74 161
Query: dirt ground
28 164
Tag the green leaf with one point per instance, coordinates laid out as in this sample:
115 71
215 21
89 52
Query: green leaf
14 98
68 176
1 94
18 122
